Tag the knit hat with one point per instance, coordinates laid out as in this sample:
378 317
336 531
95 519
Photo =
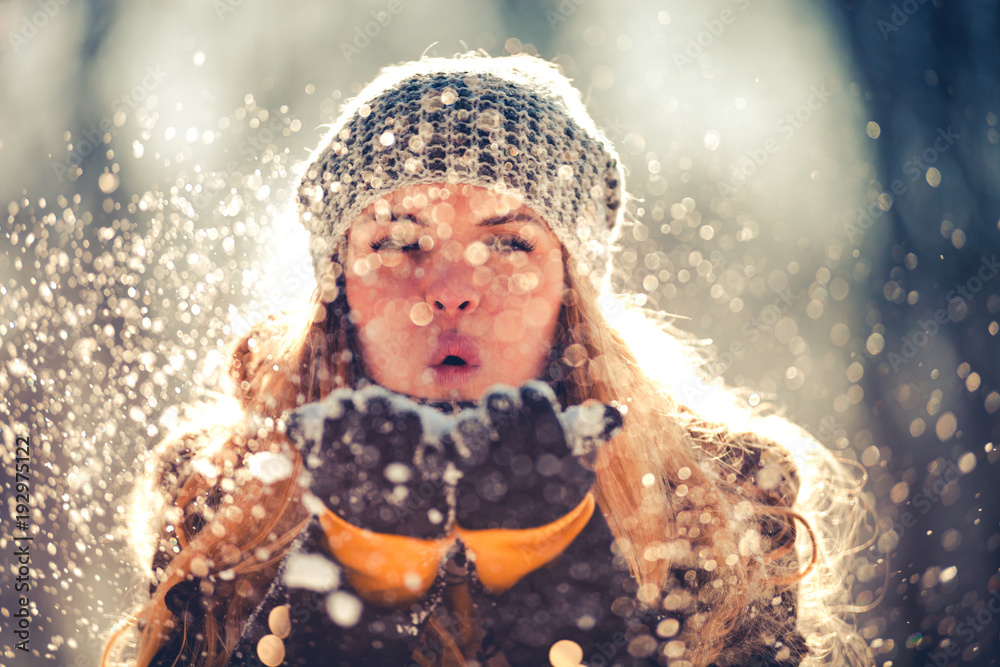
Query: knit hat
512 124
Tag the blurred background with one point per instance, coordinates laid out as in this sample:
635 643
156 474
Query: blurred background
817 192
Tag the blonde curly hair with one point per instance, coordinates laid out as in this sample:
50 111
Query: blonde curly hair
694 483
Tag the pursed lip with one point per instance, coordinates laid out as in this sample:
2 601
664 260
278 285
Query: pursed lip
454 344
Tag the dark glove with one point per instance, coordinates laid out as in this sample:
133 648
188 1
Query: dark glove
526 472
390 478
371 462
523 463
362 578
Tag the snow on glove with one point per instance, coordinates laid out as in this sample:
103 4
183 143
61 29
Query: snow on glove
527 470
383 478
359 582
523 462
377 467
543 553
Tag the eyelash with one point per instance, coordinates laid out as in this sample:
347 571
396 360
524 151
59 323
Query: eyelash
377 245
513 242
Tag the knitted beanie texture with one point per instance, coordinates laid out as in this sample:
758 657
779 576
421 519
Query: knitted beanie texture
513 124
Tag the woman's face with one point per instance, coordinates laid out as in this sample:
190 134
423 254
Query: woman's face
453 288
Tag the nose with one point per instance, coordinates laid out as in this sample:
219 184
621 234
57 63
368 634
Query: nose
451 291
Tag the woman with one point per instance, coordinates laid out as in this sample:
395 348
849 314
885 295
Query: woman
462 215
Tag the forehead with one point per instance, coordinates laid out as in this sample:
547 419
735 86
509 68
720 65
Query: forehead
436 200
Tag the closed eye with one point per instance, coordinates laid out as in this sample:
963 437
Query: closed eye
402 227
509 242
389 243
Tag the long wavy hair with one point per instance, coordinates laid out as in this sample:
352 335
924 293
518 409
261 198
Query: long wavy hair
682 432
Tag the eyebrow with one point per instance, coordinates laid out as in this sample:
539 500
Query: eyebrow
396 218
488 222
504 219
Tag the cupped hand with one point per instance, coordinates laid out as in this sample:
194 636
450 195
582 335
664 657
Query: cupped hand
524 462
375 459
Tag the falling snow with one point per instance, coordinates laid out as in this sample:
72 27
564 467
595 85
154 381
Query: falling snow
122 285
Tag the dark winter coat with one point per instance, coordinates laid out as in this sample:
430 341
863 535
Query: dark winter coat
584 594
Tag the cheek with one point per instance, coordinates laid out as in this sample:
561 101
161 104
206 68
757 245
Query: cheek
394 315
553 269
379 312
508 326
383 308
360 297
541 313
543 310
386 335
527 307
